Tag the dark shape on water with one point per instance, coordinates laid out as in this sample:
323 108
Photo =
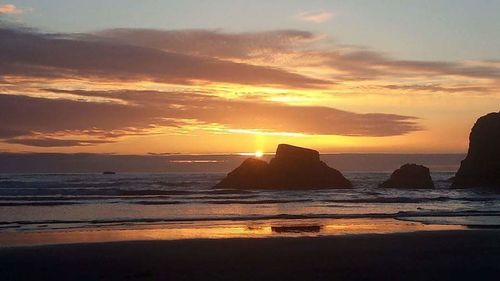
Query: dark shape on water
409 176
296 228
108 173
292 168
481 167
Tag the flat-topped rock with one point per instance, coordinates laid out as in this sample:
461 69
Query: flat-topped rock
292 168
296 153
409 176
481 167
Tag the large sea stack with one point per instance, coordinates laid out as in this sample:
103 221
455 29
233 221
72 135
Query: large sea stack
481 167
292 168
409 176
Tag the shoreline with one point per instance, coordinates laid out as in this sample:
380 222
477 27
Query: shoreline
275 228
423 255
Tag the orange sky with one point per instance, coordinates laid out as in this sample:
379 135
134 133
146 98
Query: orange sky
136 91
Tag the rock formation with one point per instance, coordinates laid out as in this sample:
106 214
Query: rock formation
292 168
481 167
409 176
252 173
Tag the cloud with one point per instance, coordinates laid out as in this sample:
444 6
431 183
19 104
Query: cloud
9 133
212 43
293 49
55 122
10 9
28 114
186 57
359 64
288 60
437 88
63 56
53 142
315 16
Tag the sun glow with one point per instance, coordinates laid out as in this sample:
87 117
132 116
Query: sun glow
256 154
259 153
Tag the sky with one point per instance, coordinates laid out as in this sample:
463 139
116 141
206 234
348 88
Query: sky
197 77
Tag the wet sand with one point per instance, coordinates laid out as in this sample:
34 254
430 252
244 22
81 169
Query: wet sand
217 230
430 255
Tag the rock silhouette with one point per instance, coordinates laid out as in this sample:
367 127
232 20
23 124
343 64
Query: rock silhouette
409 176
292 168
481 167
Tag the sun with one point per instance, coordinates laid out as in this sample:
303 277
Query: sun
256 154
259 153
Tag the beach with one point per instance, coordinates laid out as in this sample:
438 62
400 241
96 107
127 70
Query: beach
430 255
177 227
249 140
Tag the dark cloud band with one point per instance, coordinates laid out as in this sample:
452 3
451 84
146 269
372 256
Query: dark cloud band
105 122
34 54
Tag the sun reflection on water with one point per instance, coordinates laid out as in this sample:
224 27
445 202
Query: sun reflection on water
220 230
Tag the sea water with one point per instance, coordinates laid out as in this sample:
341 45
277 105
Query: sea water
39 202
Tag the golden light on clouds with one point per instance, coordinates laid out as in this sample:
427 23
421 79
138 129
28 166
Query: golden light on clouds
252 92
10 9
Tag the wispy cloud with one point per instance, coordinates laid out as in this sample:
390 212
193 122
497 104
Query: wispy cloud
438 88
52 142
141 82
315 16
10 9
213 43
69 56
297 49
57 122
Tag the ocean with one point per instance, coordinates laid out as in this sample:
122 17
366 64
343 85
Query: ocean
46 202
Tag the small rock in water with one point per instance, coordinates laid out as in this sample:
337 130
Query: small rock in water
409 176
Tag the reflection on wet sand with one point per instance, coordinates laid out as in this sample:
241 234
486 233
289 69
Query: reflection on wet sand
219 230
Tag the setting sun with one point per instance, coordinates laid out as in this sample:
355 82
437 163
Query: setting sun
257 154
181 135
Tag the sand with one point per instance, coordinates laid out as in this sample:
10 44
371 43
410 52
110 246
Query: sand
432 255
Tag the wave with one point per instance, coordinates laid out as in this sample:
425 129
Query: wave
89 183
263 201
128 191
398 215
13 204
411 199
167 200
169 197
